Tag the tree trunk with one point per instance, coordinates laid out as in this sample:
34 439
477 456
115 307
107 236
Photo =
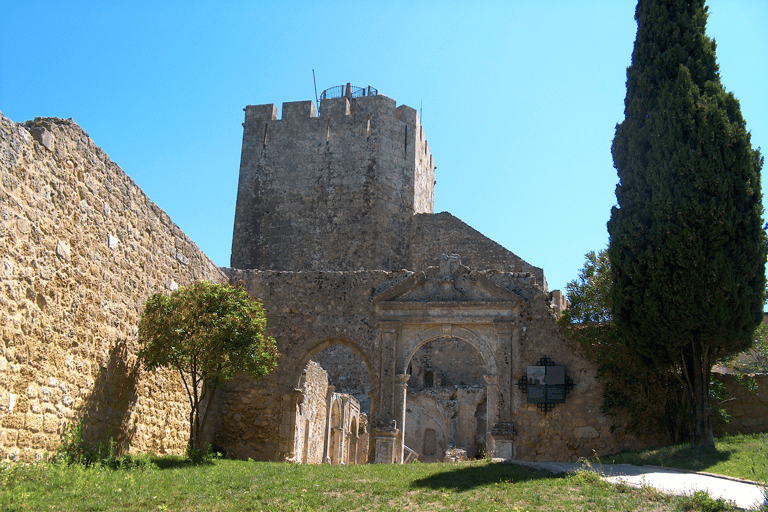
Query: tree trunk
696 375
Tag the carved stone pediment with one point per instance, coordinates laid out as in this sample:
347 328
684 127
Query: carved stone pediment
450 282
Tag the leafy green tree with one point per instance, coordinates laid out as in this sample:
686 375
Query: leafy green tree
756 359
209 333
687 245
589 295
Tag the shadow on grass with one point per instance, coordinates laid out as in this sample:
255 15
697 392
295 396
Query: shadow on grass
464 478
170 462
678 456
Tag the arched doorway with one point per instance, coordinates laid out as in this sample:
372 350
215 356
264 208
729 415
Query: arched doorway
445 389
334 404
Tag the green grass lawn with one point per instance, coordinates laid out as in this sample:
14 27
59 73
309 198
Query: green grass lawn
172 483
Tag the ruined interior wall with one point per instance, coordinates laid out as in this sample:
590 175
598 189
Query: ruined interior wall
451 413
82 249
452 361
363 440
346 373
431 236
306 312
430 423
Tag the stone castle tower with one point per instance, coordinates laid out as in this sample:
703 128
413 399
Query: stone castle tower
336 191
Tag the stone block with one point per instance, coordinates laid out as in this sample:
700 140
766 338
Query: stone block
50 423
585 433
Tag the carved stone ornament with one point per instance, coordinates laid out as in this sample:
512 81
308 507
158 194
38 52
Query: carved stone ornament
449 265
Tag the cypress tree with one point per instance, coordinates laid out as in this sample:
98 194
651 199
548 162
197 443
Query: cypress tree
687 244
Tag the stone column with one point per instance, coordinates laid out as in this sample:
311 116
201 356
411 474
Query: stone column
401 387
290 403
372 418
491 396
385 429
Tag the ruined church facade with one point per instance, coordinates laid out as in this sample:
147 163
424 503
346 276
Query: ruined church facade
335 230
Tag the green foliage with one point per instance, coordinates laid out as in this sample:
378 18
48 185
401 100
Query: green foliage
687 245
590 294
209 333
73 449
642 399
702 501
756 359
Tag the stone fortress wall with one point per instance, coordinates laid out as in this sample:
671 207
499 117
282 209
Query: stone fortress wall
330 192
81 249
349 189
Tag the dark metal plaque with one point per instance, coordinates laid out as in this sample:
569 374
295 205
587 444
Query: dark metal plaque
546 384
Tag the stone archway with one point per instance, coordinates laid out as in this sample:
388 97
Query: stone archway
324 410
426 307
445 389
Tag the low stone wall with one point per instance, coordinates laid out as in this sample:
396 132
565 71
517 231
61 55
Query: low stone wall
748 410
82 249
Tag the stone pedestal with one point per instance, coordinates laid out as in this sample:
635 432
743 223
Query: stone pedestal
501 444
387 446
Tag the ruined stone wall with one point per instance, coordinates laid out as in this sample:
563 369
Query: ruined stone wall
440 357
310 311
82 248
306 313
431 236
576 428
451 414
312 415
748 410
334 192
346 373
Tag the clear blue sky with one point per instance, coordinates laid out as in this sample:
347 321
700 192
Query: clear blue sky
519 99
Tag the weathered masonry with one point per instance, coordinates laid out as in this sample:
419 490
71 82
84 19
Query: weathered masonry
330 209
403 333
81 249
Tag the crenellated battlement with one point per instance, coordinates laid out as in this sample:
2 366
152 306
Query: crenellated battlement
330 190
